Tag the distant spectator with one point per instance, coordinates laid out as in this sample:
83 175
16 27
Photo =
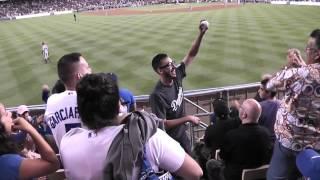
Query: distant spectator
261 94
58 87
96 93
245 147
28 144
223 123
215 133
23 111
45 93
12 165
269 107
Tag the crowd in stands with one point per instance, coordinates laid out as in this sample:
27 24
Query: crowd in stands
12 8
100 134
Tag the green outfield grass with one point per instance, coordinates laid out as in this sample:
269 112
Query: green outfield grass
241 44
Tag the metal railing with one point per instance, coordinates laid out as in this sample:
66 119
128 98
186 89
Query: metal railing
197 102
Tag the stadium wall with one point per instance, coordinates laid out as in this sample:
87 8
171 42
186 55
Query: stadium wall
299 3
43 14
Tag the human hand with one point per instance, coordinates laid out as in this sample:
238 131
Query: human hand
193 119
203 26
294 58
21 124
235 103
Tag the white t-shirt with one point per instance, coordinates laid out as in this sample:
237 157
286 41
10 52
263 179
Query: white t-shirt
62 114
84 152
45 50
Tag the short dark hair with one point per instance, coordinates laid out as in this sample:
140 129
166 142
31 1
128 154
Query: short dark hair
156 61
58 87
264 82
66 66
113 76
98 100
220 108
316 35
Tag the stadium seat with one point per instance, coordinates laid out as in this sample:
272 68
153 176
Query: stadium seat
256 173
58 175
217 155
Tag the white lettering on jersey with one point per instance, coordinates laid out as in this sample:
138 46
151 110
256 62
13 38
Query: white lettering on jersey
175 104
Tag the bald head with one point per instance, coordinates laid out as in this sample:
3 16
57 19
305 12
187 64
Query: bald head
250 111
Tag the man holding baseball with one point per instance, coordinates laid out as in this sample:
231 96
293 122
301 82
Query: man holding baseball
166 99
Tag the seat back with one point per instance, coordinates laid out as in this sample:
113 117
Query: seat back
256 173
58 175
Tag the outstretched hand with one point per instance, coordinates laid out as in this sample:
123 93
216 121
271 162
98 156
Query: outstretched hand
294 58
203 26
194 119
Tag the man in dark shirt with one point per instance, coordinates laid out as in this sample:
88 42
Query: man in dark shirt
249 145
167 98
269 108
223 123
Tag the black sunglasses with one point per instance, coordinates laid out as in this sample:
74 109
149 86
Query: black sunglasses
172 64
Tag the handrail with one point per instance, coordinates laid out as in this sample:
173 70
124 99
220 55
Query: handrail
187 93
196 105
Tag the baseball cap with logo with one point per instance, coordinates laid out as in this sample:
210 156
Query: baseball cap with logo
308 163
22 109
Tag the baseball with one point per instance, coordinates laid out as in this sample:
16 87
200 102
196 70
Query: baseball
205 23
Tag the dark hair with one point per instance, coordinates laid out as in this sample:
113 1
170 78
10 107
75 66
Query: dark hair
66 66
316 35
113 76
98 100
220 108
58 87
156 61
7 145
264 82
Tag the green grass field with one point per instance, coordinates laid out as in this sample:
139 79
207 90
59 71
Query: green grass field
241 44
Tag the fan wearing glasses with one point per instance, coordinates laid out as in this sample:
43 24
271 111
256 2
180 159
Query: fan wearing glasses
166 100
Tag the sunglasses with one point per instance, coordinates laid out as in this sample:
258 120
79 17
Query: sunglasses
172 64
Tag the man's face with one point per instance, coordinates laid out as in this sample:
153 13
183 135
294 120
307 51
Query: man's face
312 52
84 67
167 68
263 93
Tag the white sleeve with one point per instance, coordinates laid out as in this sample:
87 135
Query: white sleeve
164 152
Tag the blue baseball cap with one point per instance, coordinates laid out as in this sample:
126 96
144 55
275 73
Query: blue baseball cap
308 163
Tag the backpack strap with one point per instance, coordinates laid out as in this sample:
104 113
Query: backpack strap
126 150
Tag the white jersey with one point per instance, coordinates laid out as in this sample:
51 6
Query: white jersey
45 51
84 152
62 114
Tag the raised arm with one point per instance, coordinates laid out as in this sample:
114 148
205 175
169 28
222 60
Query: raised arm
195 45
48 163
